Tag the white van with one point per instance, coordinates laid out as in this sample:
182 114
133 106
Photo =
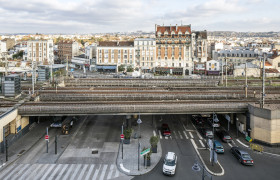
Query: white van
169 164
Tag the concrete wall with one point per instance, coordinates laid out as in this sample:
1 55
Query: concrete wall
265 125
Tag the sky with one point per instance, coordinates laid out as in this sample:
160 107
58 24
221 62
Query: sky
101 16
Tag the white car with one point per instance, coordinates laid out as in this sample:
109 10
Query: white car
169 164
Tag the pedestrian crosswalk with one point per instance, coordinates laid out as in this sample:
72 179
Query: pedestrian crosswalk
178 135
60 171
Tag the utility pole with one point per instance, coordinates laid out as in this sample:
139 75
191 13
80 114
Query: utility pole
6 64
33 83
226 71
263 81
246 82
222 73
51 70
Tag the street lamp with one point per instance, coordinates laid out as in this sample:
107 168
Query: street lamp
139 122
237 127
197 167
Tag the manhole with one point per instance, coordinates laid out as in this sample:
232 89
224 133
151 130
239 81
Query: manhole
94 151
21 152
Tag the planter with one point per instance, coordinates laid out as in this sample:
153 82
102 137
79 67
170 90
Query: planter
154 149
126 141
148 161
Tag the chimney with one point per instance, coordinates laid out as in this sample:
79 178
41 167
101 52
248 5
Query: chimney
156 27
176 27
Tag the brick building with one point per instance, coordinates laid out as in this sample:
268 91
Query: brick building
67 49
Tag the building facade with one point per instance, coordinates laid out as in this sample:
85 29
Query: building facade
145 54
110 55
199 46
67 49
10 43
40 51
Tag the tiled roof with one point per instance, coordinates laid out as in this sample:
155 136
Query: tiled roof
169 29
267 63
112 43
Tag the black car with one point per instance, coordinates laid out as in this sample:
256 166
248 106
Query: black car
207 133
242 156
198 120
224 136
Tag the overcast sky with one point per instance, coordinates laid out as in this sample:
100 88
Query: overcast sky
94 16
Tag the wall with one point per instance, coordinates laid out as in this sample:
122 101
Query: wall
265 125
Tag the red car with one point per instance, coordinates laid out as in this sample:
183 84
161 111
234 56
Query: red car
165 131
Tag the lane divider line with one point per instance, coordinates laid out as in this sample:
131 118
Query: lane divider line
191 134
242 143
198 135
159 134
124 169
201 143
180 135
229 145
186 134
154 132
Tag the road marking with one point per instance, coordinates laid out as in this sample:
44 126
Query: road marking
180 135
68 172
103 171
191 134
117 173
175 135
82 172
154 133
76 171
96 173
32 173
12 172
229 144
160 136
272 154
186 134
193 143
22 169
48 171
242 143
111 171
166 137
124 169
199 136
41 171
170 137
61 172
89 171
55 171
201 143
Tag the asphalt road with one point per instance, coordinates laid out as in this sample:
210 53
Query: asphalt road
265 166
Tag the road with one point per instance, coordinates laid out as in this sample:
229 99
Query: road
265 167
74 159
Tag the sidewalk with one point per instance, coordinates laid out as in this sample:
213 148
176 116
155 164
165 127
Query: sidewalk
129 164
24 144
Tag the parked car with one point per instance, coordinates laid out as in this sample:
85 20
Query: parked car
242 156
165 130
207 133
224 136
169 164
218 147
212 123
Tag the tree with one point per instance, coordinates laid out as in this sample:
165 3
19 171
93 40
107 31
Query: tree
129 69
121 68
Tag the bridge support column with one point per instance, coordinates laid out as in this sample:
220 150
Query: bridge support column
128 121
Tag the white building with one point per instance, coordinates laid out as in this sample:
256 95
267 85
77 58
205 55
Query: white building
2 48
40 51
90 51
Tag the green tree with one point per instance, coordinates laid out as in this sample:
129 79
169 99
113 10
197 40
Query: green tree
129 69
121 68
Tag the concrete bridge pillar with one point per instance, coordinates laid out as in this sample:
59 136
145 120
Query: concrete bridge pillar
128 121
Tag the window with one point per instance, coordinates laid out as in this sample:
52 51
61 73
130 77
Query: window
151 64
151 58
215 64
125 56
187 65
209 69
125 51
143 64
179 64
173 64
209 64
278 64
180 59
143 58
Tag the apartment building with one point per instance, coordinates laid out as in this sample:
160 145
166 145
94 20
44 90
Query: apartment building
67 49
40 51
10 43
111 54
199 46
145 54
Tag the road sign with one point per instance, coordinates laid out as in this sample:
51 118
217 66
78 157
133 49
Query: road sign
46 137
139 121
210 143
145 152
122 136
227 117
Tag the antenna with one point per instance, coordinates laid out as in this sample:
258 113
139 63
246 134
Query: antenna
181 23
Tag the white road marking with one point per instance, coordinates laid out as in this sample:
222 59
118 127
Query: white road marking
55 171
191 134
175 135
96 173
117 173
124 169
186 134
201 143
103 172
229 144
31 174
82 172
50 167
61 172
199 136
170 137
242 143
41 171
13 171
166 137
6 171
154 133
160 136
76 171
89 171
19 173
68 171
193 143
180 135
111 171
272 154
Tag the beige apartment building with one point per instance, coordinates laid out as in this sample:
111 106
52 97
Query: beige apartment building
40 51
67 49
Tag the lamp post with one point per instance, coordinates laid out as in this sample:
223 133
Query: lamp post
237 127
139 122
139 145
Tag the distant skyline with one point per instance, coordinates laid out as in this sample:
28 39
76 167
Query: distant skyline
101 16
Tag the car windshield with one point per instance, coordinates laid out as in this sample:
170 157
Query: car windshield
246 156
227 137
169 162
219 147
209 132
